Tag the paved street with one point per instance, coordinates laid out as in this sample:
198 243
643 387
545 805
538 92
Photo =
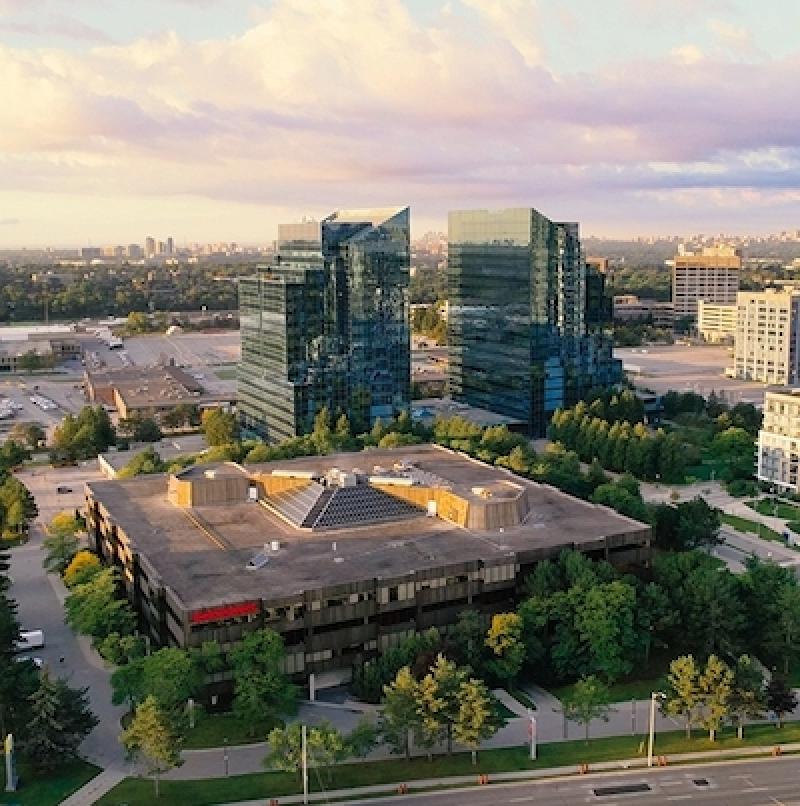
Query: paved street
40 599
772 782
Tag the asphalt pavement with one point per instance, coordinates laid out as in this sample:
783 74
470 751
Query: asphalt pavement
767 782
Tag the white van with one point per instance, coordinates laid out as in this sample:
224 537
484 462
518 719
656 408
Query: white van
30 639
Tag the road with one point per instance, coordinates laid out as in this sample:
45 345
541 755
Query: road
772 782
40 607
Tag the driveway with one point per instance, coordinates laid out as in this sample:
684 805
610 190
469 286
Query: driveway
40 598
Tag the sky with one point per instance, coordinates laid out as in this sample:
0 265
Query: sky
216 120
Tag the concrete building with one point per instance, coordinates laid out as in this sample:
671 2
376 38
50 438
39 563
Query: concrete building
779 440
149 391
37 346
716 324
344 556
711 275
767 340
149 246
524 336
630 308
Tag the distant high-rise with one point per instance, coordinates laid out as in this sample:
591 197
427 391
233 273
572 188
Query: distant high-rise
711 275
170 245
520 341
327 325
149 246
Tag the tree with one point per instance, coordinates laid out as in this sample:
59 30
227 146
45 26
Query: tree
150 736
504 639
465 643
31 434
475 720
736 448
325 746
146 461
60 548
322 435
747 697
780 698
220 426
438 700
121 650
588 701
400 712
715 684
60 721
82 567
261 691
94 609
146 429
683 696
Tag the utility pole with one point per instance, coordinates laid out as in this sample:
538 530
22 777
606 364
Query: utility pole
305 763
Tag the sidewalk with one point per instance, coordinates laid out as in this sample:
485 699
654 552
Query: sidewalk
524 775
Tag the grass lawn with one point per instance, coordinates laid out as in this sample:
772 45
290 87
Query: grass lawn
744 525
137 791
211 730
39 790
775 508
704 471
226 373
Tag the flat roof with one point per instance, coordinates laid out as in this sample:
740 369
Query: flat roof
167 449
201 553
427 409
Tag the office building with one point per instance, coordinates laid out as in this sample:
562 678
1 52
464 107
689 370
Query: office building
149 246
711 275
519 339
767 341
344 556
170 246
779 440
327 325
716 324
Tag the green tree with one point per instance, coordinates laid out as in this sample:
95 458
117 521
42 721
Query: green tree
736 448
684 696
146 429
95 609
30 434
715 685
747 699
261 690
400 715
780 698
465 643
325 746
220 426
447 680
146 461
588 701
322 434
504 639
60 721
475 720
59 548
151 737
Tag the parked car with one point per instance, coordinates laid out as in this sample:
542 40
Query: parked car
61 490
29 639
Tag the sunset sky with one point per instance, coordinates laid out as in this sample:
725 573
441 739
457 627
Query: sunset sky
217 119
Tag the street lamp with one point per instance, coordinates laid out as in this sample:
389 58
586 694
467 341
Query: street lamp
655 695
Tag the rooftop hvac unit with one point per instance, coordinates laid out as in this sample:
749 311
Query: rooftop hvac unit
275 545
259 560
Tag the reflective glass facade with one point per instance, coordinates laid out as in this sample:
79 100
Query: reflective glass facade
520 340
328 325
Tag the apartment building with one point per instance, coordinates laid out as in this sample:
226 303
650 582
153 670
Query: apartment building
767 340
779 440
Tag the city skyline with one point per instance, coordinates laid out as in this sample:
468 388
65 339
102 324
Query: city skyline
627 116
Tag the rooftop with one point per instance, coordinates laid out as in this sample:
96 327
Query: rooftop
201 550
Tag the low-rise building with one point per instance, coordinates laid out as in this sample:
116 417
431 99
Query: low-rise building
630 308
767 339
149 391
716 324
711 275
779 440
344 556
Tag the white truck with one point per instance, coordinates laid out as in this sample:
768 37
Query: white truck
30 639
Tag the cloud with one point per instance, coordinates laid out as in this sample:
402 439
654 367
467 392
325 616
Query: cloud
367 104
57 26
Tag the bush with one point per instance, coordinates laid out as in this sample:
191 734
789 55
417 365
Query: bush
742 487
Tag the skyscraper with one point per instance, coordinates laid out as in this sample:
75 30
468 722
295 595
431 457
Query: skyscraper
521 341
326 325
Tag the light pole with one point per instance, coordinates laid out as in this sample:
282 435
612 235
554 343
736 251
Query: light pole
655 695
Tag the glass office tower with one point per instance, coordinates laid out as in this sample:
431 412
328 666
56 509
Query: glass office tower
520 340
327 324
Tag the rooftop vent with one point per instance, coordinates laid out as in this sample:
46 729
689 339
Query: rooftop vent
259 560
210 474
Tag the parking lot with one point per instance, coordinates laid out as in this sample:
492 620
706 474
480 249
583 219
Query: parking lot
698 369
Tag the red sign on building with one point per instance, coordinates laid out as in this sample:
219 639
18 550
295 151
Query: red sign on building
223 612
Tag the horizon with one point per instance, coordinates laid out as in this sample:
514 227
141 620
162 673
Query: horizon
627 116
